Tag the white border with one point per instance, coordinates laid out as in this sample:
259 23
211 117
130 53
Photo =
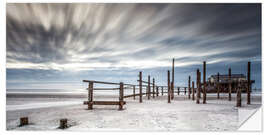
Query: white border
265 70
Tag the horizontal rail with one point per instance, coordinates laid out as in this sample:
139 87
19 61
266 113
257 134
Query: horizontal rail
144 81
101 82
134 95
104 102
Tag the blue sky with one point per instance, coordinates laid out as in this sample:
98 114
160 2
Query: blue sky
59 45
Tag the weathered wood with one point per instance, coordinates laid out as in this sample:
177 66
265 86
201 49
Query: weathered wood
149 88
121 96
140 83
248 83
178 90
193 91
162 90
189 90
90 94
172 86
238 96
204 82
23 121
153 87
63 124
218 88
100 82
134 92
157 91
185 90
127 96
230 85
169 91
198 87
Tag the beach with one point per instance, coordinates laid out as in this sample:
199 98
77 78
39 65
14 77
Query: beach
44 111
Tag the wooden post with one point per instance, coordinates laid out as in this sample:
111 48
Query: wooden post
193 91
63 124
90 95
149 88
230 85
239 91
121 96
172 87
218 89
178 90
198 87
248 83
157 91
23 121
134 92
169 91
140 85
185 90
162 90
189 90
153 87
204 82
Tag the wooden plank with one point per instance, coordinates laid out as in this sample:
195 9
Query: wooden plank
104 102
100 82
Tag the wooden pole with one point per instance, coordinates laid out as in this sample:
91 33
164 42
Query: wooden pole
239 100
193 91
185 90
162 90
169 91
140 86
230 85
63 124
204 82
149 88
249 84
23 121
121 96
218 89
189 90
134 92
172 87
198 87
157 91
178 90
153 87
90 95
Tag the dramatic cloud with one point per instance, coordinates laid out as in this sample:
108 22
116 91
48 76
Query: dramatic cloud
128 37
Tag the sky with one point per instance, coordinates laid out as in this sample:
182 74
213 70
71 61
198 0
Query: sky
56 46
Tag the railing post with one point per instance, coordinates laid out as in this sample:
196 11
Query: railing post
248 83
140 86
193 91
153 87
198 87
172 86
149 88
204 82
189 90
218 89
157 91
134 92
239 91
162 90
90 95
169 91
230 85
121 96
